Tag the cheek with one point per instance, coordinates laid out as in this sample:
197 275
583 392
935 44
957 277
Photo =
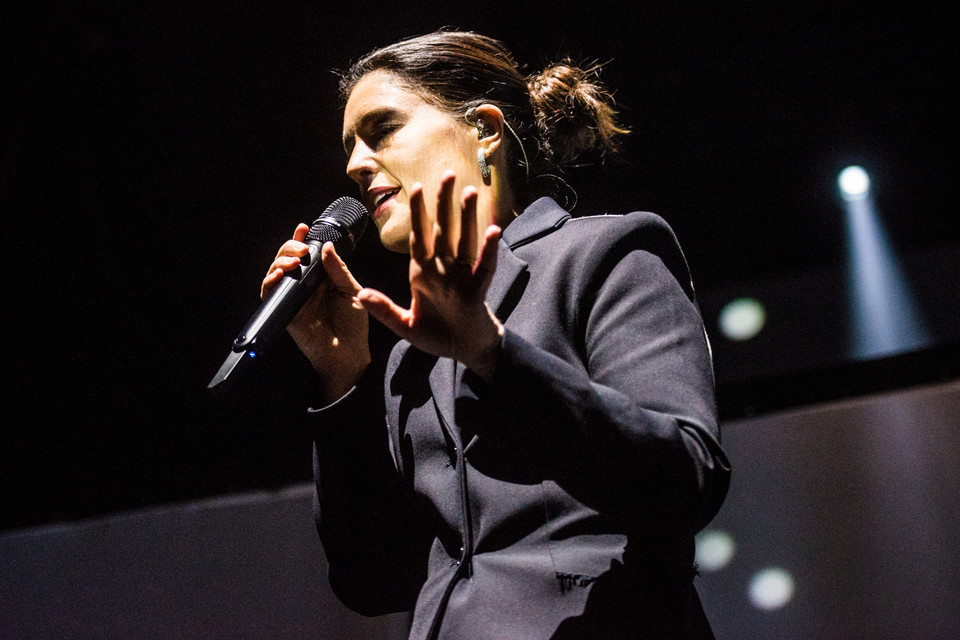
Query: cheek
434 150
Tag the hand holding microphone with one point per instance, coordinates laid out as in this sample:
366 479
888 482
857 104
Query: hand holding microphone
310 292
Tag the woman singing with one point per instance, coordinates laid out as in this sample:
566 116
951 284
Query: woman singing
543 445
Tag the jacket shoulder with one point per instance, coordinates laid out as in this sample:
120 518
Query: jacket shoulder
607 238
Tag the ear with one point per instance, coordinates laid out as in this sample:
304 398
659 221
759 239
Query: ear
490 128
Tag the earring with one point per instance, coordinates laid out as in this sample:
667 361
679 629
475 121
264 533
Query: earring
482 161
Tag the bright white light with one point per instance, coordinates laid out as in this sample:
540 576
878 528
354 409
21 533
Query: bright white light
771 589
886 317
854 183
742 319
714 550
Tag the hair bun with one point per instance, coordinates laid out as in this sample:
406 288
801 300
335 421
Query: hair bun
576 113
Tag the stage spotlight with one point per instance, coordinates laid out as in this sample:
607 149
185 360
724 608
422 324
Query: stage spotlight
742 319
714 549
886 320
854 183
771 588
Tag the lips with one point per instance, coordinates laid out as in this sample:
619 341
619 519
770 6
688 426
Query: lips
379 197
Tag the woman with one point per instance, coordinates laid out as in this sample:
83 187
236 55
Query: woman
551 444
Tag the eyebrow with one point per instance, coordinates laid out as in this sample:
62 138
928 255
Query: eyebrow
375 114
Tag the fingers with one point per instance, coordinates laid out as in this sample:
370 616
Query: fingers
337 270
448 224
421 231
451 237
291 251
295 246
467 247
287 259
488 254
300 233
269 282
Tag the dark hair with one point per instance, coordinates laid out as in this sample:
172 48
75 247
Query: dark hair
561 117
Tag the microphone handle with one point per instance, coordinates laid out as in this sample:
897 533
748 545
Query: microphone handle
284 302
342 223
273 316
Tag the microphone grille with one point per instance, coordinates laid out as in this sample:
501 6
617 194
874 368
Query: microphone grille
347 210
343 222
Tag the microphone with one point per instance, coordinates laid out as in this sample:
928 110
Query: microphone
342 223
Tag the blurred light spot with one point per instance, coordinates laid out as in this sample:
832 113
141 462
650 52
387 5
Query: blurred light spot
886 319
714 550
742 319
854 183
771 588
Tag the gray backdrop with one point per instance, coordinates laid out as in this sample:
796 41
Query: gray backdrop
857 500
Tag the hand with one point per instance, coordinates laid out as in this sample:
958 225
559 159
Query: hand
331 328
450 272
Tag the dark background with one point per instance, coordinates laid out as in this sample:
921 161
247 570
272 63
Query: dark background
154 158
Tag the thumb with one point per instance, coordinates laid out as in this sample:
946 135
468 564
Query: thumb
337 270
388 312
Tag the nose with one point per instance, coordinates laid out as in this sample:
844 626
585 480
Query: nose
361 165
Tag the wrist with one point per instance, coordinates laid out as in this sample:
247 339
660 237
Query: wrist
483 360
331 386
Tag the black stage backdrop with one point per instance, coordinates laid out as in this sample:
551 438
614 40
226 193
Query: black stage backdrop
154 157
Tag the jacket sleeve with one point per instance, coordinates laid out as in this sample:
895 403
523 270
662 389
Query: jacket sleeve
375 547
630 427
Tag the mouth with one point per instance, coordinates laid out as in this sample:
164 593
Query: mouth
380 197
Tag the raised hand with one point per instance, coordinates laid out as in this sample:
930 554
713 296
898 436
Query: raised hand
450 272
331 328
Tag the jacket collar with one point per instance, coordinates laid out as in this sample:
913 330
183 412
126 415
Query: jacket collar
540 218
537 220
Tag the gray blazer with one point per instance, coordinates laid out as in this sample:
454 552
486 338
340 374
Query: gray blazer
561 500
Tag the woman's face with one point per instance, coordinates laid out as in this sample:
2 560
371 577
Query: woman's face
395 139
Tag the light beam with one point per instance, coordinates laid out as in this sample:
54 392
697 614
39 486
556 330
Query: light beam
885 316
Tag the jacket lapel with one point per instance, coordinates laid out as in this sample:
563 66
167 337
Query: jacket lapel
539 219
506 287
442 384
507 284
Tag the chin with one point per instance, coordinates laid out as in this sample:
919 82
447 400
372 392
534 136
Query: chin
403 247
394 238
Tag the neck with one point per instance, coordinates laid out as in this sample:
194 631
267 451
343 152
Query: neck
502 210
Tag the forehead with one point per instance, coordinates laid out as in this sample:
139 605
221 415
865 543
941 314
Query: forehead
375 92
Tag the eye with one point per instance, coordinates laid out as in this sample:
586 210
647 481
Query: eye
380 133
373 129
